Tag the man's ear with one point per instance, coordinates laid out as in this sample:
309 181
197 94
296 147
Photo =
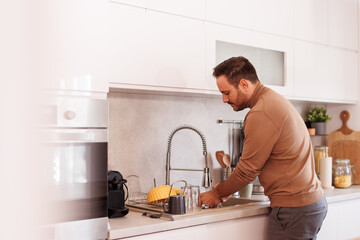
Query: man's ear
243 85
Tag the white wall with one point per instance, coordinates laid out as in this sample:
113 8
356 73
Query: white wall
336 123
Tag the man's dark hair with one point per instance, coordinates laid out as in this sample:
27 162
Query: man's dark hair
235 69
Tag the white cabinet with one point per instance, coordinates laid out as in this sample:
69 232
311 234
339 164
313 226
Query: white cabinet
167 45
154 49
240 13
311 20
341 221
253 228
343 23
243 228
188 8
196 232
333 22
75 45
137 3
273 16
237 37
325 74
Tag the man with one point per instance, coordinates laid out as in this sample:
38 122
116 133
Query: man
277 148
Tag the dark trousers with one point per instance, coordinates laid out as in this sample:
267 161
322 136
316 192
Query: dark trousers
296 222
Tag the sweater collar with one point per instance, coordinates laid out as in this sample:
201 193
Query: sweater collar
259 90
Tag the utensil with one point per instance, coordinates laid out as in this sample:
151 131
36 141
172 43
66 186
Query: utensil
225 173
345 143
157 215
226 160
176 203
236 145
219 157
232 146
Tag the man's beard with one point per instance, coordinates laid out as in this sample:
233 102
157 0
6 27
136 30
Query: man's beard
237 107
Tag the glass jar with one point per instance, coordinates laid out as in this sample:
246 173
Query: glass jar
342 173
320 151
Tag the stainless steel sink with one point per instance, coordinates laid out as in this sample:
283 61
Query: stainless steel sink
240 201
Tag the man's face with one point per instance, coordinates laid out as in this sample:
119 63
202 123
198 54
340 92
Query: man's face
231 95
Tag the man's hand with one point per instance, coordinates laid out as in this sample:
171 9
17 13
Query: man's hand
212 198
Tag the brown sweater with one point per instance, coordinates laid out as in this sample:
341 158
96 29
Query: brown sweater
277 148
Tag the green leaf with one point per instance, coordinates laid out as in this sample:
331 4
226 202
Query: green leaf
317 114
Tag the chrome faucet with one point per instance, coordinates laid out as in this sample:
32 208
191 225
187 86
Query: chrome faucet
206 183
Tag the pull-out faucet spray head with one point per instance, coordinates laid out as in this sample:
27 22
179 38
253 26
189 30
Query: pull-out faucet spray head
206 183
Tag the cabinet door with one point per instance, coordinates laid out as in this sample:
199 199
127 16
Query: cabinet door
137 3
196 232
155 49
231 12
274 16
343 23
341 221
188 8
325 74
349 219
75 45
330 226
263 45
253 228
311 20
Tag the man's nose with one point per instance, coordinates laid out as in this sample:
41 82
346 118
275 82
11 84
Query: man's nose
225 99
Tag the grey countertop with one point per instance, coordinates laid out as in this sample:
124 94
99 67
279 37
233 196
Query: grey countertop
135 224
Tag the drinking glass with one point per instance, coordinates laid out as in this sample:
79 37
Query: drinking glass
187 193
246 192
195 194
135 192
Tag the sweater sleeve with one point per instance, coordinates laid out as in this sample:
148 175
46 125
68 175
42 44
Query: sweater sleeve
261 135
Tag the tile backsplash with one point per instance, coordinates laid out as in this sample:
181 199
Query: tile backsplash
139 128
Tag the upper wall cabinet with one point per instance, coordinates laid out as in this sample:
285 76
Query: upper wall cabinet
154 49
343 23
273 16
272 56
137 3
311 20
75 45
238 13
188 8
325 73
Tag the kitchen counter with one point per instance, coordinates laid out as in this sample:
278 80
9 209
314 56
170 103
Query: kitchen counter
134 224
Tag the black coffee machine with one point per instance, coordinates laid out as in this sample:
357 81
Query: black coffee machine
116 195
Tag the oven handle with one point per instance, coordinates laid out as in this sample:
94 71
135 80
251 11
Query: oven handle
75 135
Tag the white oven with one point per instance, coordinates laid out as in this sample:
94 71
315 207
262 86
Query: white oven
74 168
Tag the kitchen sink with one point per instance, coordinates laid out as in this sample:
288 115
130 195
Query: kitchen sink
229 205
233 201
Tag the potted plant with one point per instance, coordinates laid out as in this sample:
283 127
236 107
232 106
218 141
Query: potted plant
317 117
